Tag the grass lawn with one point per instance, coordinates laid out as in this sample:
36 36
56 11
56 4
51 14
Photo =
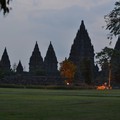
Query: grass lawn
36 104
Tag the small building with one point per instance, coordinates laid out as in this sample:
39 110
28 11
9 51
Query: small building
19 68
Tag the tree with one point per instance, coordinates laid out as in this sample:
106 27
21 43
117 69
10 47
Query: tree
113 21
104 57
86 70
4 6
67 70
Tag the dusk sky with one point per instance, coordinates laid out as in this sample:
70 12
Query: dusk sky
51 20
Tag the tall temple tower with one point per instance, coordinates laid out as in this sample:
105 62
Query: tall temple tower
82 55
117 45
116 63
36 64
50 61
5 62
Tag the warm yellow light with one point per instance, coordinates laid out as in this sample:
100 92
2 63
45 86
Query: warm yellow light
102 87
68 83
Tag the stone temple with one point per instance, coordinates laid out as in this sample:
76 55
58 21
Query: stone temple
45 71
82 55
50 61
36 61
116 63
5 61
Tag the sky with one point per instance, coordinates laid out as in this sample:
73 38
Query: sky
51 20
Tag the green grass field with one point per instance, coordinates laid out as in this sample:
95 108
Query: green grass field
36 104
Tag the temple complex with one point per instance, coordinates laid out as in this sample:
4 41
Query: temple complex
45 72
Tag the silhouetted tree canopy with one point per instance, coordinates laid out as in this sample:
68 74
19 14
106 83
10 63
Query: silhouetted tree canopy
113 21
4 5
104 56
68 70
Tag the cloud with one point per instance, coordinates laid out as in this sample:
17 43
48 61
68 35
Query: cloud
60 4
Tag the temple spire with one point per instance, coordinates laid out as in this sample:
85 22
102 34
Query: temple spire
36 60
5 62
117 45
115 63
50 61
19 67
82 26
82 52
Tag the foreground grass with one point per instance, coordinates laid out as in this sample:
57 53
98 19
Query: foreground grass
35 104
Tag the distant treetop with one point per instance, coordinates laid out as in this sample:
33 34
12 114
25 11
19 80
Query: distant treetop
4 5
113 21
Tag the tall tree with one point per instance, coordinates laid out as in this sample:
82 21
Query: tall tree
104 58
86 70
113 21
4 5
67 70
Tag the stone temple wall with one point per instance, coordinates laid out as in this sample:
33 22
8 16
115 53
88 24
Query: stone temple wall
32 80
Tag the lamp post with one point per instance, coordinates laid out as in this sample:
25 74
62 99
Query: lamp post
109 77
